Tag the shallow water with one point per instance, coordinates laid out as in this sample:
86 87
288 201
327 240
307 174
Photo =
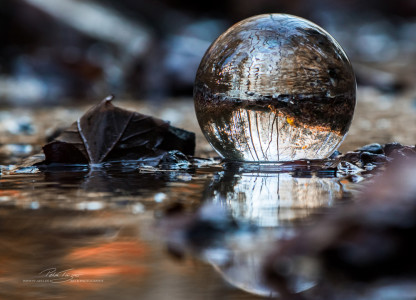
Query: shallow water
80 233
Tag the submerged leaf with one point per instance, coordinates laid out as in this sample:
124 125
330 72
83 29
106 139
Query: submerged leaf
108 133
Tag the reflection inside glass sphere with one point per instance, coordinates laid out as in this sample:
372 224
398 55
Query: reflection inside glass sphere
275 87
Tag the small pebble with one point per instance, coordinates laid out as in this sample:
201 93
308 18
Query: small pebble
372 148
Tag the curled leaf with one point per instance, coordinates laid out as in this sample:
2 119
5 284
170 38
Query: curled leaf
109 133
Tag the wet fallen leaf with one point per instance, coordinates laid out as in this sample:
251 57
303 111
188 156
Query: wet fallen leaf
109 133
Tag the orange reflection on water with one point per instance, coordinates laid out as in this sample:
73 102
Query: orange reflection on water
110 270
95 278
10 193
107 263
107 251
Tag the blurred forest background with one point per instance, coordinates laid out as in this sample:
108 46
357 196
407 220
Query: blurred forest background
56 52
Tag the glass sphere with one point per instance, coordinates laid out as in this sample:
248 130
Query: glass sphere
275 87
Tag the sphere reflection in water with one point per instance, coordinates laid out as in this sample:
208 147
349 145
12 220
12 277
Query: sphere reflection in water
271 201
275 88
245 271
273 198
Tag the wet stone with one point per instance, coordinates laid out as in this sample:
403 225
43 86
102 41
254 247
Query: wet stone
351 157
275 88
174 160
354 178
346 168
390 148
372 148
396 150
371 158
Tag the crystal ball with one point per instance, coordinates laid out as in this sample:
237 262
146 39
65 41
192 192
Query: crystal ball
274 88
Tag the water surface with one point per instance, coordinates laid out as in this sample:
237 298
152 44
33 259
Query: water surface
92 233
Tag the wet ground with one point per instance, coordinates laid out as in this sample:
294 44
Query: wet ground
80 233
